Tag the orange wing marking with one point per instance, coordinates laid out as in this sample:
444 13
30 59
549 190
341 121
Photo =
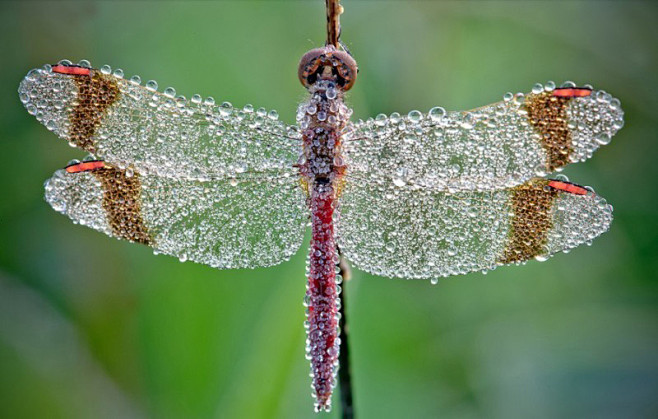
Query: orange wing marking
567 187
85 166
572 92
73 70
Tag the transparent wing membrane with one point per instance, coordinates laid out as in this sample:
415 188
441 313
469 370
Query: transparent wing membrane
496 146
404 233
127 124
243 223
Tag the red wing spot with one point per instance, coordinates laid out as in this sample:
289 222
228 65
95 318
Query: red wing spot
567 187
85 166
73 70
572 92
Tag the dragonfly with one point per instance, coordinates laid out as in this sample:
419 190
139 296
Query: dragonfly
424 195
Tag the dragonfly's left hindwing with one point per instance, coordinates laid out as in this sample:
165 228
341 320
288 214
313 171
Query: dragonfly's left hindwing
397 232
238 223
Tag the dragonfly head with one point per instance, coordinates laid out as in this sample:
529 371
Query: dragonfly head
328 63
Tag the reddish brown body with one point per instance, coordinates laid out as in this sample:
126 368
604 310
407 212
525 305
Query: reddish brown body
327 74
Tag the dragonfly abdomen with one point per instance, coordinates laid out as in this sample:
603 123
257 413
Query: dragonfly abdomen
323 344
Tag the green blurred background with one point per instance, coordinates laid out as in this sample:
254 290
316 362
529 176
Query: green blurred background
94 327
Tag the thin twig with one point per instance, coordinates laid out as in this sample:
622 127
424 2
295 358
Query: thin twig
344 373
334 10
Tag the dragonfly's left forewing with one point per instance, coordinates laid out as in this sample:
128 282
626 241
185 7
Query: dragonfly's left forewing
126 123
399 232
492 147
239 223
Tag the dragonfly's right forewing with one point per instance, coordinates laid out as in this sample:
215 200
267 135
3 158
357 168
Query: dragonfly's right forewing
404 233
500 145
241 223
129 124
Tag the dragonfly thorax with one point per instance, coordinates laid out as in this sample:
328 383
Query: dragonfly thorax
328 64
322 119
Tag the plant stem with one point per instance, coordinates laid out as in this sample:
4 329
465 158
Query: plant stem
334 9
344 373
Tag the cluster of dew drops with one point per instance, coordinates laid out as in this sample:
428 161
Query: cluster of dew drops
195 138
472 150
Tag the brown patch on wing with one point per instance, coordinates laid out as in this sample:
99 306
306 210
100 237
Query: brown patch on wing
532 203
95 94
121 201
548 114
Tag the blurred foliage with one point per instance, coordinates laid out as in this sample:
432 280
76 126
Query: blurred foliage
94 327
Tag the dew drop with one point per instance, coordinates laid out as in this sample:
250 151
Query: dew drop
415 116
540 170
398 181
603 138
225 109
437 113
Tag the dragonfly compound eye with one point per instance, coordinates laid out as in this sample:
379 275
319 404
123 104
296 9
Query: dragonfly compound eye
327 63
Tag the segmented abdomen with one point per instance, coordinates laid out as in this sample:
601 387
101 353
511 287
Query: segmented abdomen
323 343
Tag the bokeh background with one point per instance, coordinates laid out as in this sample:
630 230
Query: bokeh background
94 327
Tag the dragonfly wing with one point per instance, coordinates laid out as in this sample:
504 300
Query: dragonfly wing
243 223
496 146
398 232
127 124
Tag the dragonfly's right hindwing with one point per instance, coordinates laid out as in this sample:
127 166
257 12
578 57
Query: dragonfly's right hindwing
242 223
397 232
128 124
